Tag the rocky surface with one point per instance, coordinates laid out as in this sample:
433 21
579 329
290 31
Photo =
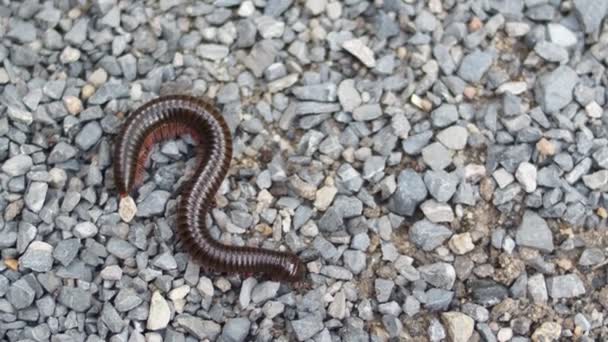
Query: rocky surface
440 166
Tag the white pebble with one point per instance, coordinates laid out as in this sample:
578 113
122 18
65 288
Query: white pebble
246 9
526 176
205 286
69 55
160 313
594 110
334 10
127 208
363 53
72 104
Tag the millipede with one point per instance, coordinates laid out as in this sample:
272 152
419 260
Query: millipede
169 117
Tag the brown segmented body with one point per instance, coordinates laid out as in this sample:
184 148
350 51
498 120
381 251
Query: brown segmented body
166 118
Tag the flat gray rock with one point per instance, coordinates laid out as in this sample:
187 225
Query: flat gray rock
198 327
75 298
475 65
20 294
17 165
590 13
533 232
428 235
411 191
565 286
307 327
236 329
554 89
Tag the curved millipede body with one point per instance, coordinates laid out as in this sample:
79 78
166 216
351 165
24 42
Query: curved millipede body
168 117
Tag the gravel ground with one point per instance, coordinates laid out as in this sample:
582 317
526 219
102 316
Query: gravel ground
441 166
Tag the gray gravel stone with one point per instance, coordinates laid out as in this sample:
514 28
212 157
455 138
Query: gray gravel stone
23 56
591 256
264 291
488 292
126 300
590 13
565 286
85 230
75 298
441 185
271 309
444 115
17 165
120 248
436 332
88 136
534 232
153 204
78 33
475 65
454 137
554 89
307 327
348 95
373 166
35 196
438 299
561 35
22 32
165 261
436 156
582 168
597 180
62 152
367 112
66 250
277 7
551 52
411 191
20 115
4 285
384 289
236 329
437 212
428 235
38 257
355 261
54 89
20 294
111 318
109 91
198 327
414 144
441 274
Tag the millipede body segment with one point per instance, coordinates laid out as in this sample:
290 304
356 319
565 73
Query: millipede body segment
168 117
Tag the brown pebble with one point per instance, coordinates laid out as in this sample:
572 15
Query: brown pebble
486 188
545 147
421 103
601 212
565 264
72 104
470 92
264 229
87 91
475 24
12 264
